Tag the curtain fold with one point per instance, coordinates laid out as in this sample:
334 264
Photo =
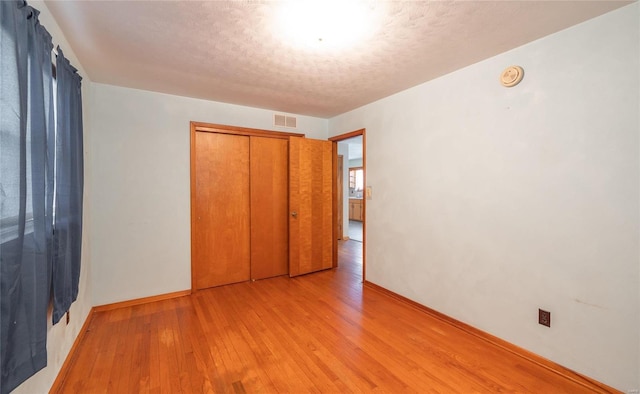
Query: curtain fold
26 94
67 237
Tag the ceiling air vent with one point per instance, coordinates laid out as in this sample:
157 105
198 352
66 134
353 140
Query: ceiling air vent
284 121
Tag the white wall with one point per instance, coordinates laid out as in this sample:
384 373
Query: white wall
343 149
60 337
141 207
519 198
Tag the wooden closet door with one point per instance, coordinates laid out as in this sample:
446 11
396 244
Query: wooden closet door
269 207
311 205
221 235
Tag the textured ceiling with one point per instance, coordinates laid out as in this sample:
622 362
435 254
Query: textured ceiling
231 51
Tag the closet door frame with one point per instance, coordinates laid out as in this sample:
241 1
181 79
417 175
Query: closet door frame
200 127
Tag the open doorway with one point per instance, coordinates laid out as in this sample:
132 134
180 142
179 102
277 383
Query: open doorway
355 186
350 217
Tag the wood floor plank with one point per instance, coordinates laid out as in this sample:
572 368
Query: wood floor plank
315 333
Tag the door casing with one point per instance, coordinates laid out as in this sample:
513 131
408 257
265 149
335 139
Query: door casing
335 140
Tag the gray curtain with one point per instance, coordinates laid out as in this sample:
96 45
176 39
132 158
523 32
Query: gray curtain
67 237
25 191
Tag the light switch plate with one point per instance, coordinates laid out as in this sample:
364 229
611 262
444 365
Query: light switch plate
368 192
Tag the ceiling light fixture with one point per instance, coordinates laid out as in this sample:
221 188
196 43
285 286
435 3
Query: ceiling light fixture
325 25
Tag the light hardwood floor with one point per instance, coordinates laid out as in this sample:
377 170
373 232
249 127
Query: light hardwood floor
321 332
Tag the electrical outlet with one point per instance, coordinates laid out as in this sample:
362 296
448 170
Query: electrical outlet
544 318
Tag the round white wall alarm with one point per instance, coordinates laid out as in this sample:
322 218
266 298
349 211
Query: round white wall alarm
511 76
